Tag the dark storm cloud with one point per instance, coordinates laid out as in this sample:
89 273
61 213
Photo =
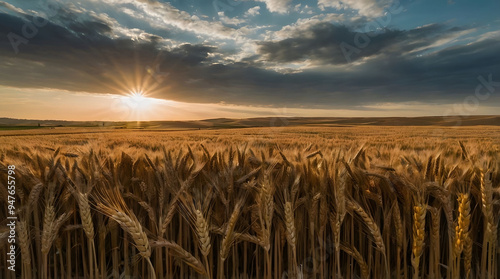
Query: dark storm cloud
81 57
77 53
446 76
326 43
321 43
90 27
192 54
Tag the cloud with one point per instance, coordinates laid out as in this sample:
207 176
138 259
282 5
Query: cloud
303 25
252 11
10 7
81 56
230 20
277 6
368 8
303 9
81 51
162 15
327 43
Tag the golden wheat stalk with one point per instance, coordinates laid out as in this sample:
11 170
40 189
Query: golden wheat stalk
24 243
184 255
419 212
373 228
229 233
202 229
291 234
490 232
111 203
463 243
353 252
370 224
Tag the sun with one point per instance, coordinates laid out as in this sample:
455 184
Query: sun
137 106
137 97
137 101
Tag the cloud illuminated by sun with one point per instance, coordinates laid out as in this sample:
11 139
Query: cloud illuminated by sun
137 106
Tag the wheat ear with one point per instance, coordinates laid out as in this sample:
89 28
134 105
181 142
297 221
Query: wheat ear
229 238
370 223
111 203
24 243
462 234
419 212
202 230
184 255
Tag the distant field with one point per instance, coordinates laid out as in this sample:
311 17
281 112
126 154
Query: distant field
226 123
282 202
7 128
414 138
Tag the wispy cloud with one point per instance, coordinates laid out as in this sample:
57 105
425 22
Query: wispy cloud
165 16
252 11
369 8
277 6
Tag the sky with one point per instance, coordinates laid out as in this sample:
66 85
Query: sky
199 59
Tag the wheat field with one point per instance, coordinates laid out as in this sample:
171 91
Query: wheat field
303 202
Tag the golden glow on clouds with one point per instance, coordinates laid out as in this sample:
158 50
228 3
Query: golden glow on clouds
65 105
